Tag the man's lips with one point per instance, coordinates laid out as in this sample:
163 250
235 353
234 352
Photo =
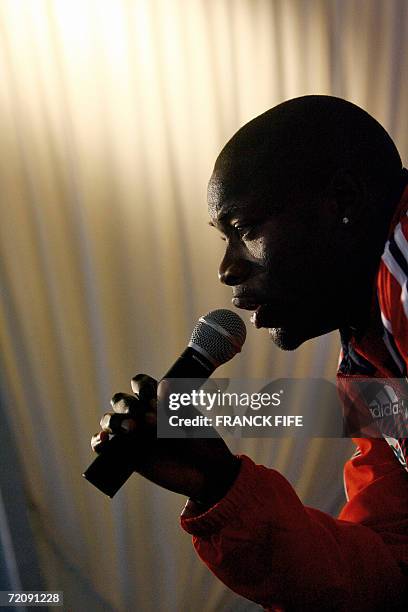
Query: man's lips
261 316
264 314
247 303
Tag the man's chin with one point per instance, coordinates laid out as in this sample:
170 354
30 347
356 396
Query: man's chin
286 339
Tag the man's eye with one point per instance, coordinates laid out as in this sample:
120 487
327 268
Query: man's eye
243 230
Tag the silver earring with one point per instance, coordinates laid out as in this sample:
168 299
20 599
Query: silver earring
345 220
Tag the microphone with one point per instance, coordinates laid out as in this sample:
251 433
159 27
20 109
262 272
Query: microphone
216 338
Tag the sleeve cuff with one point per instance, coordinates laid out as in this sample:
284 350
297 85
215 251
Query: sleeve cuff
227 510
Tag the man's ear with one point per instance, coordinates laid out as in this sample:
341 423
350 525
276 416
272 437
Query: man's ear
348 196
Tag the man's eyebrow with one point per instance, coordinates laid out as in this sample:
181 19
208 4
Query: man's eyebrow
221 221
224 217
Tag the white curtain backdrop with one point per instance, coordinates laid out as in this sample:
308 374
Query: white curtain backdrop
112 113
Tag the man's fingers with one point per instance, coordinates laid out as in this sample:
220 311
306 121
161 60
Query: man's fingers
130 413
163 390
144 387
123 403
98 441
112 423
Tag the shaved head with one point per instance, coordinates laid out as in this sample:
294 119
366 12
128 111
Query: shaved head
299 145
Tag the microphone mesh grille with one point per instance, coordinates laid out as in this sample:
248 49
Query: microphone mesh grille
216 343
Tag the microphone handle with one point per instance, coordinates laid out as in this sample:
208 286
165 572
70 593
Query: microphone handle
113 466
191 364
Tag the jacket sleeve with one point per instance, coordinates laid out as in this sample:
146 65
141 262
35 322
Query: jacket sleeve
264 544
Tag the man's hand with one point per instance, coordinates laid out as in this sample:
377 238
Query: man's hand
203 469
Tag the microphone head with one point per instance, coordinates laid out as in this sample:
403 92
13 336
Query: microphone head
219 335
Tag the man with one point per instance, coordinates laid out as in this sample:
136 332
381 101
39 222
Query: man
311 200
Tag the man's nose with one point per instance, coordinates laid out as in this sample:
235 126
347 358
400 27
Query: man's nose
234 271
